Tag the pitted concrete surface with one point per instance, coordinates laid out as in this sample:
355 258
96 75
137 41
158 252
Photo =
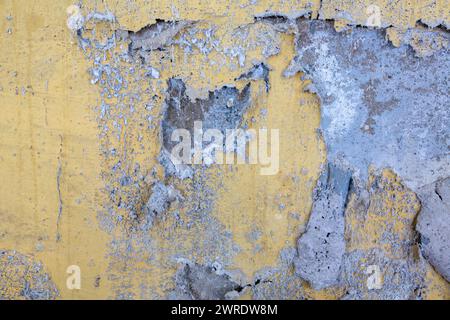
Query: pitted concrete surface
381 105
322 247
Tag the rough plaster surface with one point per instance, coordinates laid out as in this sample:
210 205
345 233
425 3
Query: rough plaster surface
399 277
158 203
381 106
223 109
380 248
433 224
322 246
21 277
87 109
196 282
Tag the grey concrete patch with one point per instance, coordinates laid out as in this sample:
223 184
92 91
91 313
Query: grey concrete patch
322 246
223 109
433 224
381 105
398 277
21 277
162 196
198 282
259 71
382 261
181 171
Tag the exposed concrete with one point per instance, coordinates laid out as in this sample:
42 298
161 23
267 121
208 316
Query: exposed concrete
381 105
424 41
181 170
157 36
433 224
280 282
222 110
398 277
322 246
259 71
158 203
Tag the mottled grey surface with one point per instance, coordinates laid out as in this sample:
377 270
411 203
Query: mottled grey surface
322 246
433 224
198 282
279 282
159 201
399 277
222 110
156 36
380 105
425 42
259 71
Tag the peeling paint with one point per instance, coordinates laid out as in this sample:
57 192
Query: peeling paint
21 277
356 211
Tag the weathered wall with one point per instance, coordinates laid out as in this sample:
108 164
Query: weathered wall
89 92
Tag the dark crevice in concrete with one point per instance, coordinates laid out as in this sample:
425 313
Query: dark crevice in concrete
272 18
321 248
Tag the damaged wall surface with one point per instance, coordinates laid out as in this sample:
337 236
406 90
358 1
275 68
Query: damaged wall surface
92 93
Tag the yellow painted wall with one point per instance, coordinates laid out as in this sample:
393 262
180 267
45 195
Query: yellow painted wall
51 164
